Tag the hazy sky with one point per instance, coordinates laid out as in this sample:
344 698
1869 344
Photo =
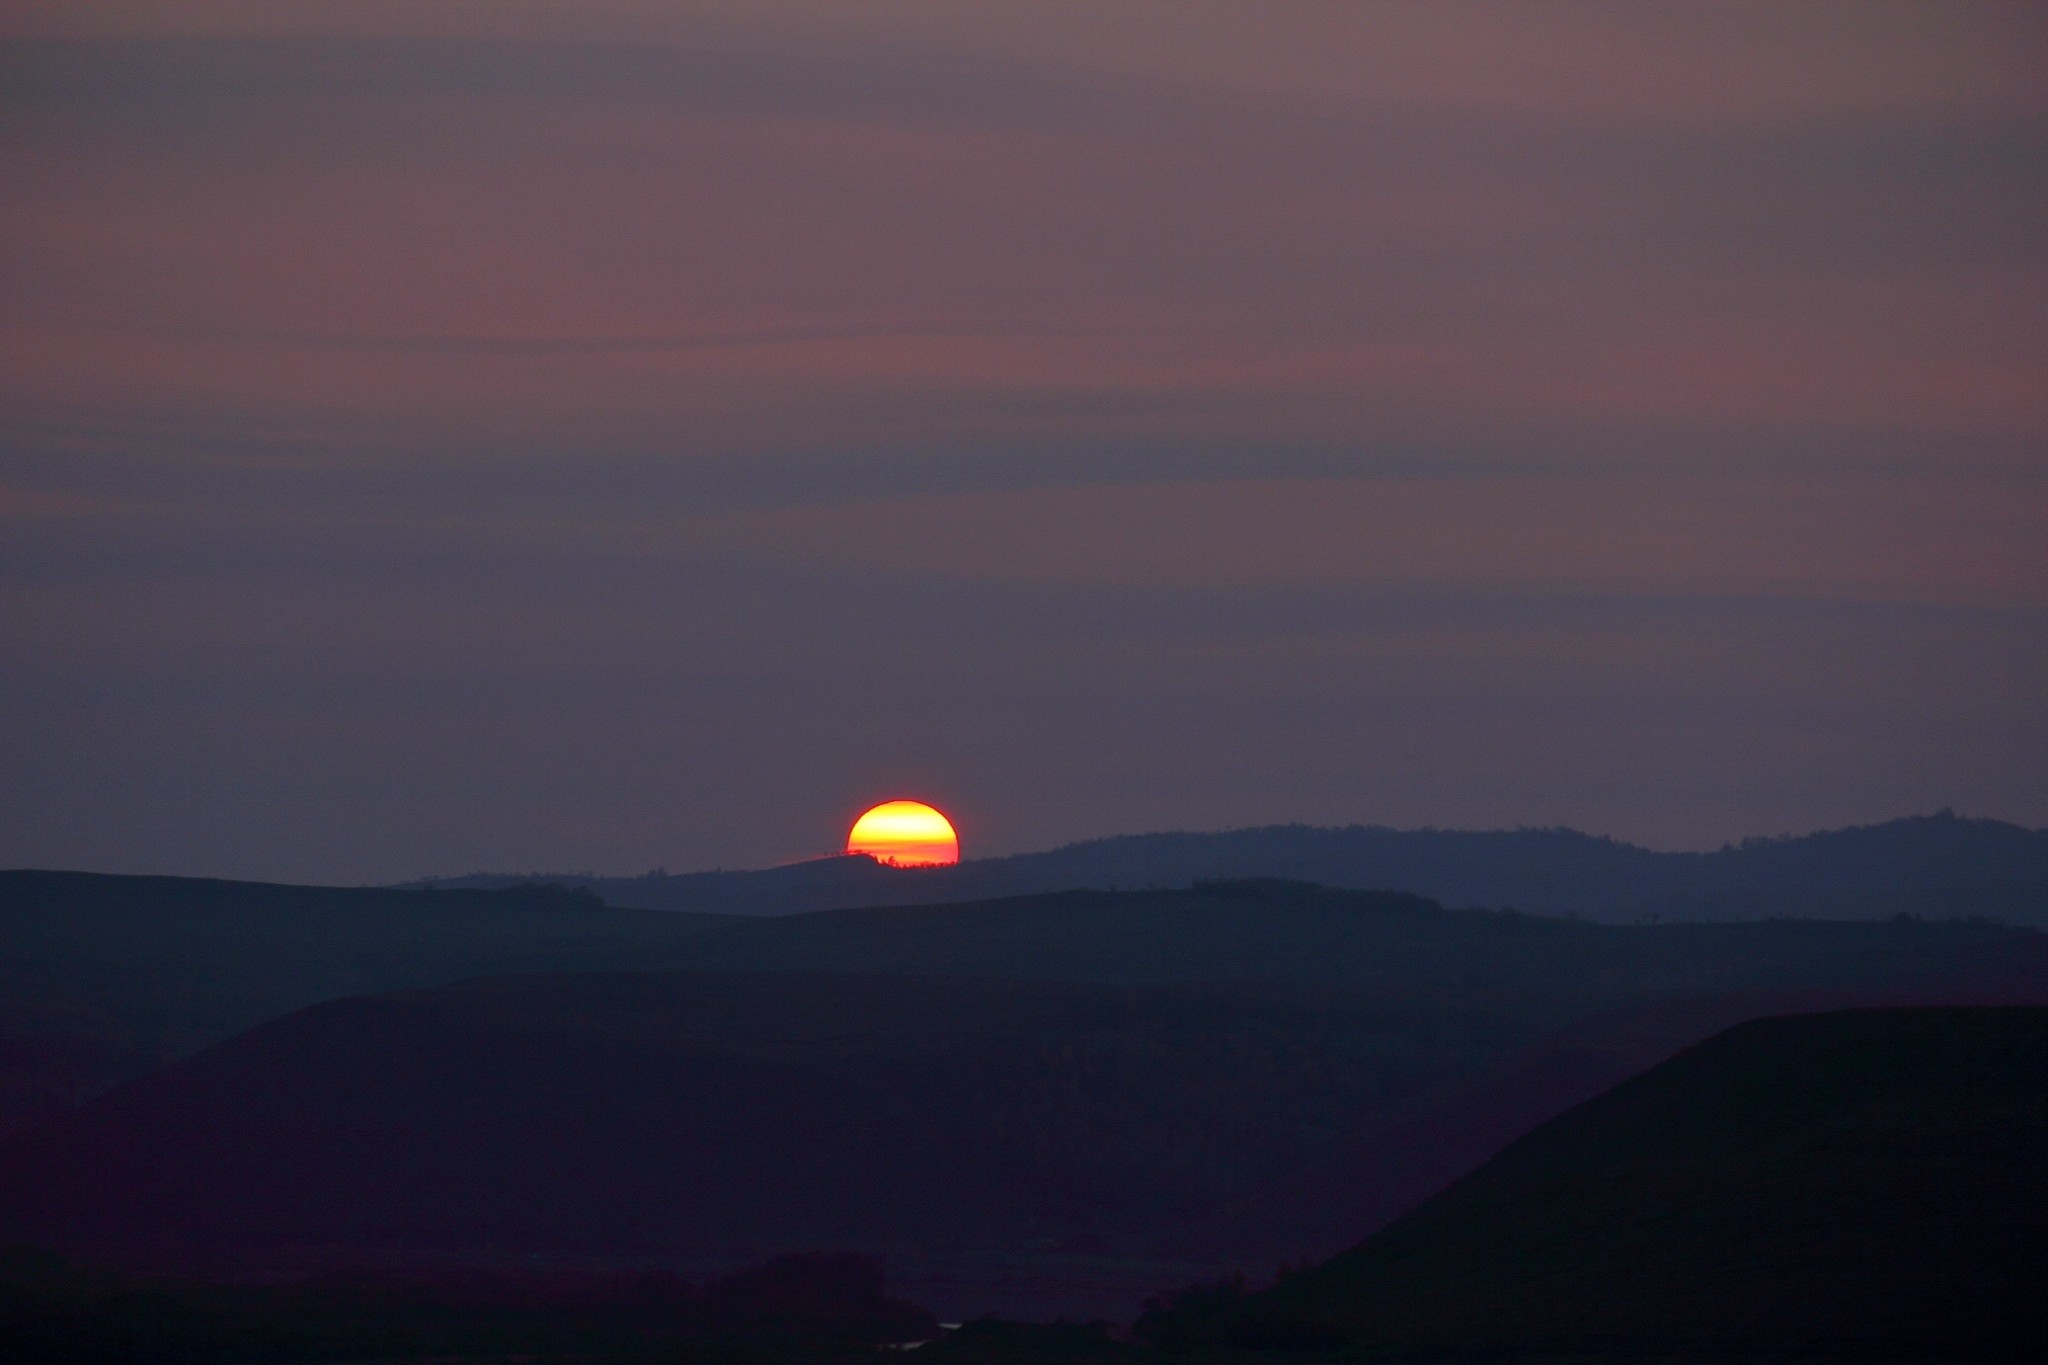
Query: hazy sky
498 435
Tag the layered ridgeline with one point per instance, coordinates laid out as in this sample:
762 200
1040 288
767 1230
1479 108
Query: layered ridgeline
103 977
1936 866
1052 1104
1870 1184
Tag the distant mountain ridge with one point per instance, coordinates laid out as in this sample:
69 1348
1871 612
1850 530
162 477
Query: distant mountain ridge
1937 866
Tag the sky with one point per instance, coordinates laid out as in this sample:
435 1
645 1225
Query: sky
604 436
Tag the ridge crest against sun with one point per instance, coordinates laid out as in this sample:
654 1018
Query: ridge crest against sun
905 834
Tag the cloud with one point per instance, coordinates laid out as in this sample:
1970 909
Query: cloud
713 238
1170 416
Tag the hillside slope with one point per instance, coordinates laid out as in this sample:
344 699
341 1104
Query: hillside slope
104 977
1291 931
1116 1136
679 1116
1858 1182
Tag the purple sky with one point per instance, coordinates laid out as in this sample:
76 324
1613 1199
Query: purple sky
606 435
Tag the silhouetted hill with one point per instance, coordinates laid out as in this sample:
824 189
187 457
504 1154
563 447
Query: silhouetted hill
678 1115
1294 932
1936 866
1861 1184
1393 1165
1115 1134
103 977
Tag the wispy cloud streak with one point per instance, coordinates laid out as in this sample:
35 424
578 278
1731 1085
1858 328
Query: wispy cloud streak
1347 382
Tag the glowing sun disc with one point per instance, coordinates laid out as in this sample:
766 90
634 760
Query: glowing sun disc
905 834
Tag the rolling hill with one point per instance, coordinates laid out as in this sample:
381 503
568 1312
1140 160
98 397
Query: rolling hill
689 1116
1055 1103
1266 930
1864 1184
104 977
1025 1142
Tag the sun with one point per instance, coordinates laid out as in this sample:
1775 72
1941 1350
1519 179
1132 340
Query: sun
905 834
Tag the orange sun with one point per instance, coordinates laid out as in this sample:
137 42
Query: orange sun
905 834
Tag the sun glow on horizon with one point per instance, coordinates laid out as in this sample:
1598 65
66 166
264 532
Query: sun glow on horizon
905 834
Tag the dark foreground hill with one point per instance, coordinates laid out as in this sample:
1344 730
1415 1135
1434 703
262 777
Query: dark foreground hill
1936 866
1412 1002
1862 1184
692 1117
1392 1165
105 977
1024 1145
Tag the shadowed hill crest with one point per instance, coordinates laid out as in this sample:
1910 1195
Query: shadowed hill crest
1937 866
